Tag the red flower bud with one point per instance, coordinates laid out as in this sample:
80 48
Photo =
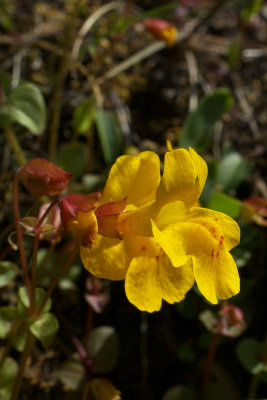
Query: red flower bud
162 30
41 177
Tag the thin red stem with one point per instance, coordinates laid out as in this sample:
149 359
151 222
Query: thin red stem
47 211
209 361
90 315
23 259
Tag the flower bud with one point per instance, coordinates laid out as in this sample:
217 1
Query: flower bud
162 30
41 177
77 216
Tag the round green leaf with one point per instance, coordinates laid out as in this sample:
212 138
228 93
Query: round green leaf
180 392
225 204
26 106
45 328
232 170
104 348
248 352
8 271
39 296
7 316
199 125
8 373
71 374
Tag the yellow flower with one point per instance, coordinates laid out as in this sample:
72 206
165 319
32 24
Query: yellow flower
162 243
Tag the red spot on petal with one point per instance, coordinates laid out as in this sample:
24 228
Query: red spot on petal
212 253
143 248
217 253
212 230
157 258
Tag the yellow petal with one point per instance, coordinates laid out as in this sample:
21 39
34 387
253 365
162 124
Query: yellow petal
176 282
136 222
151 279
170 213
140 246
202 170
223 227
172 242
180 178
106 259
215 271
134 177
216 278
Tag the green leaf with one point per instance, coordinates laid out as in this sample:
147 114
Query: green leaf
234 54
219 391
7 317
71 373
186 353
8 271
5 82
45 328
109 134
25 106
104 348
8 373
19 340
73 157
83 116
251 8
71 276
24 303
199 125
225 204
180 392
248 352
231 171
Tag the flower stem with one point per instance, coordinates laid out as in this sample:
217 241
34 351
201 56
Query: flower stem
209 361
34 266
14 144
47 211
20 240
22 363
89 316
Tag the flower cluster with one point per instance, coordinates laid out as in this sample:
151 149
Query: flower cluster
149 230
